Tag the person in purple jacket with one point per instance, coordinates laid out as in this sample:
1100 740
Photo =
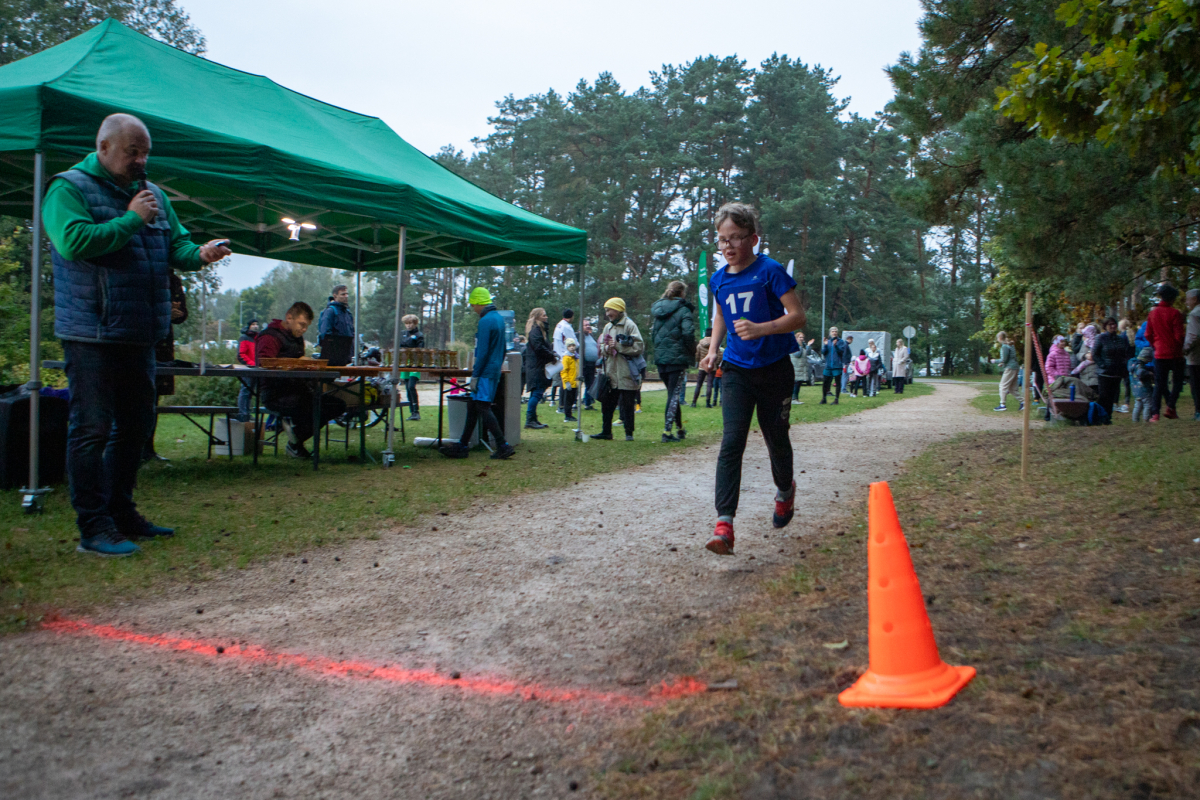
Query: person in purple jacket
754 301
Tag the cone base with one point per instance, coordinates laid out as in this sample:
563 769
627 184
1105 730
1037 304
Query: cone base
929 689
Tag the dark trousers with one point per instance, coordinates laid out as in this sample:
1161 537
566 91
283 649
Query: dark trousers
674 382
796 389
410 386
701 379
299 409
589 375
716 390
767 392
1162 395
569 397
111 417
1128 389
898 385
625 399
477 410
1110 390
1193 372
244 396
836 381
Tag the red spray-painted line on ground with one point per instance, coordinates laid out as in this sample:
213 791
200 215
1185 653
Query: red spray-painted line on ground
362 670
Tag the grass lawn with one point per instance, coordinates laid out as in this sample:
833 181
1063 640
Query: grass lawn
230 514
1077 598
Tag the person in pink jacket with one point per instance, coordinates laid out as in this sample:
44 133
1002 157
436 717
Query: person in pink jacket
1058 360
860 367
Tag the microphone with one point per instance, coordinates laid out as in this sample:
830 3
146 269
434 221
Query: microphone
139 175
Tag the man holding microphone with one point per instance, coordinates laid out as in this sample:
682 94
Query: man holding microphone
114 240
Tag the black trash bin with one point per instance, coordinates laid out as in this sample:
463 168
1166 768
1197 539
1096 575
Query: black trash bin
14 438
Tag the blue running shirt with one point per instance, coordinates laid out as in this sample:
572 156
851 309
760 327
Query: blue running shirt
754 294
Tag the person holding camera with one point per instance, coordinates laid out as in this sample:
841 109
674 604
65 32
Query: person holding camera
620 343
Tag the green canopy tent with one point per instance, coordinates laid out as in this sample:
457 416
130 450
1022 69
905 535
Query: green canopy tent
237 154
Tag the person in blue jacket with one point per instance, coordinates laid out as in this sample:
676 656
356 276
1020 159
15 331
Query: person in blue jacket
485 379
337 317
837 360
754 300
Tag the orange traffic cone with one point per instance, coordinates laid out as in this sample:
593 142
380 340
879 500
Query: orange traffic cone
906 670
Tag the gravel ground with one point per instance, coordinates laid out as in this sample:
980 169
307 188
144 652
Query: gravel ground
584 589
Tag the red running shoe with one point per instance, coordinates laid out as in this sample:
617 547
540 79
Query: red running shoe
721 542
784 509
1169 413
1154 418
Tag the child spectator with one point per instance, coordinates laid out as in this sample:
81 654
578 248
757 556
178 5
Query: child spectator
861 368
570 375
1141 377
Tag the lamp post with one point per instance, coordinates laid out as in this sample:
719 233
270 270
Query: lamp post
823 279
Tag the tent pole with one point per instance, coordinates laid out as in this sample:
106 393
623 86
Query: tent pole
31 499
203 320
389 455
357 305
579 384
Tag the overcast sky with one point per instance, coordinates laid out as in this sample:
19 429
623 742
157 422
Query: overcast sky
433 71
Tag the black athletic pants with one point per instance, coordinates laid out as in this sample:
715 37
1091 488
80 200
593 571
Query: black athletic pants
1162 395
480 409
625 398
701 378
766 391
674 384
1193 371
836 380
1110 390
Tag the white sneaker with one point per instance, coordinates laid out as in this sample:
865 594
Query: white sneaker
1123 410
1000 407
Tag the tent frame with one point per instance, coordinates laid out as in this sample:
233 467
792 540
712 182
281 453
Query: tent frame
33 494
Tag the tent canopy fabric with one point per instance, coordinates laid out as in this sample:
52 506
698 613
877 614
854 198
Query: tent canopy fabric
237 153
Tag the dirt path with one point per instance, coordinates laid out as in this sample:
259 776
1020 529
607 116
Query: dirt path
582 589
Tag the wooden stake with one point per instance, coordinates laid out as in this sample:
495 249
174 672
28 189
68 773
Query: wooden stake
1028 382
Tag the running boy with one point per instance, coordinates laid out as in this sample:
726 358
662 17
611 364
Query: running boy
754 295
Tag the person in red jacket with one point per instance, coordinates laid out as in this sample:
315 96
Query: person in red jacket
246 357
1165 331
288 398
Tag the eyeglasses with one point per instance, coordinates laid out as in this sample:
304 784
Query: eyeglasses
732 241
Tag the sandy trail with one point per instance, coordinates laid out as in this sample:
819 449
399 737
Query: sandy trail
578 588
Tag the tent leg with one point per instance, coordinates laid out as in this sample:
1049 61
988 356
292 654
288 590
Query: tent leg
389 455
357 309
32 495
581 387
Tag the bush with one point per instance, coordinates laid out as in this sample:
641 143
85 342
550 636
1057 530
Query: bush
205 391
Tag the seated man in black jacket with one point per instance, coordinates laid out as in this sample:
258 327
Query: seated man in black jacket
293 398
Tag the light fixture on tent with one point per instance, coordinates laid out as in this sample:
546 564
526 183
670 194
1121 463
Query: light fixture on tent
295 227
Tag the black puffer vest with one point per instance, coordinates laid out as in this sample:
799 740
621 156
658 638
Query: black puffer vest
123 297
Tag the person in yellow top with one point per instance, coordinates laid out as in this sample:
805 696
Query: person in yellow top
570 378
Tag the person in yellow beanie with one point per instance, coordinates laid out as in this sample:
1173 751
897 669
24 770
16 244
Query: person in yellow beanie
621 349
485 378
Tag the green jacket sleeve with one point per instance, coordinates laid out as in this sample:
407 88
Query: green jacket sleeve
75 235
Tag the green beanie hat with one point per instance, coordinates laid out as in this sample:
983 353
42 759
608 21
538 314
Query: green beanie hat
479 296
